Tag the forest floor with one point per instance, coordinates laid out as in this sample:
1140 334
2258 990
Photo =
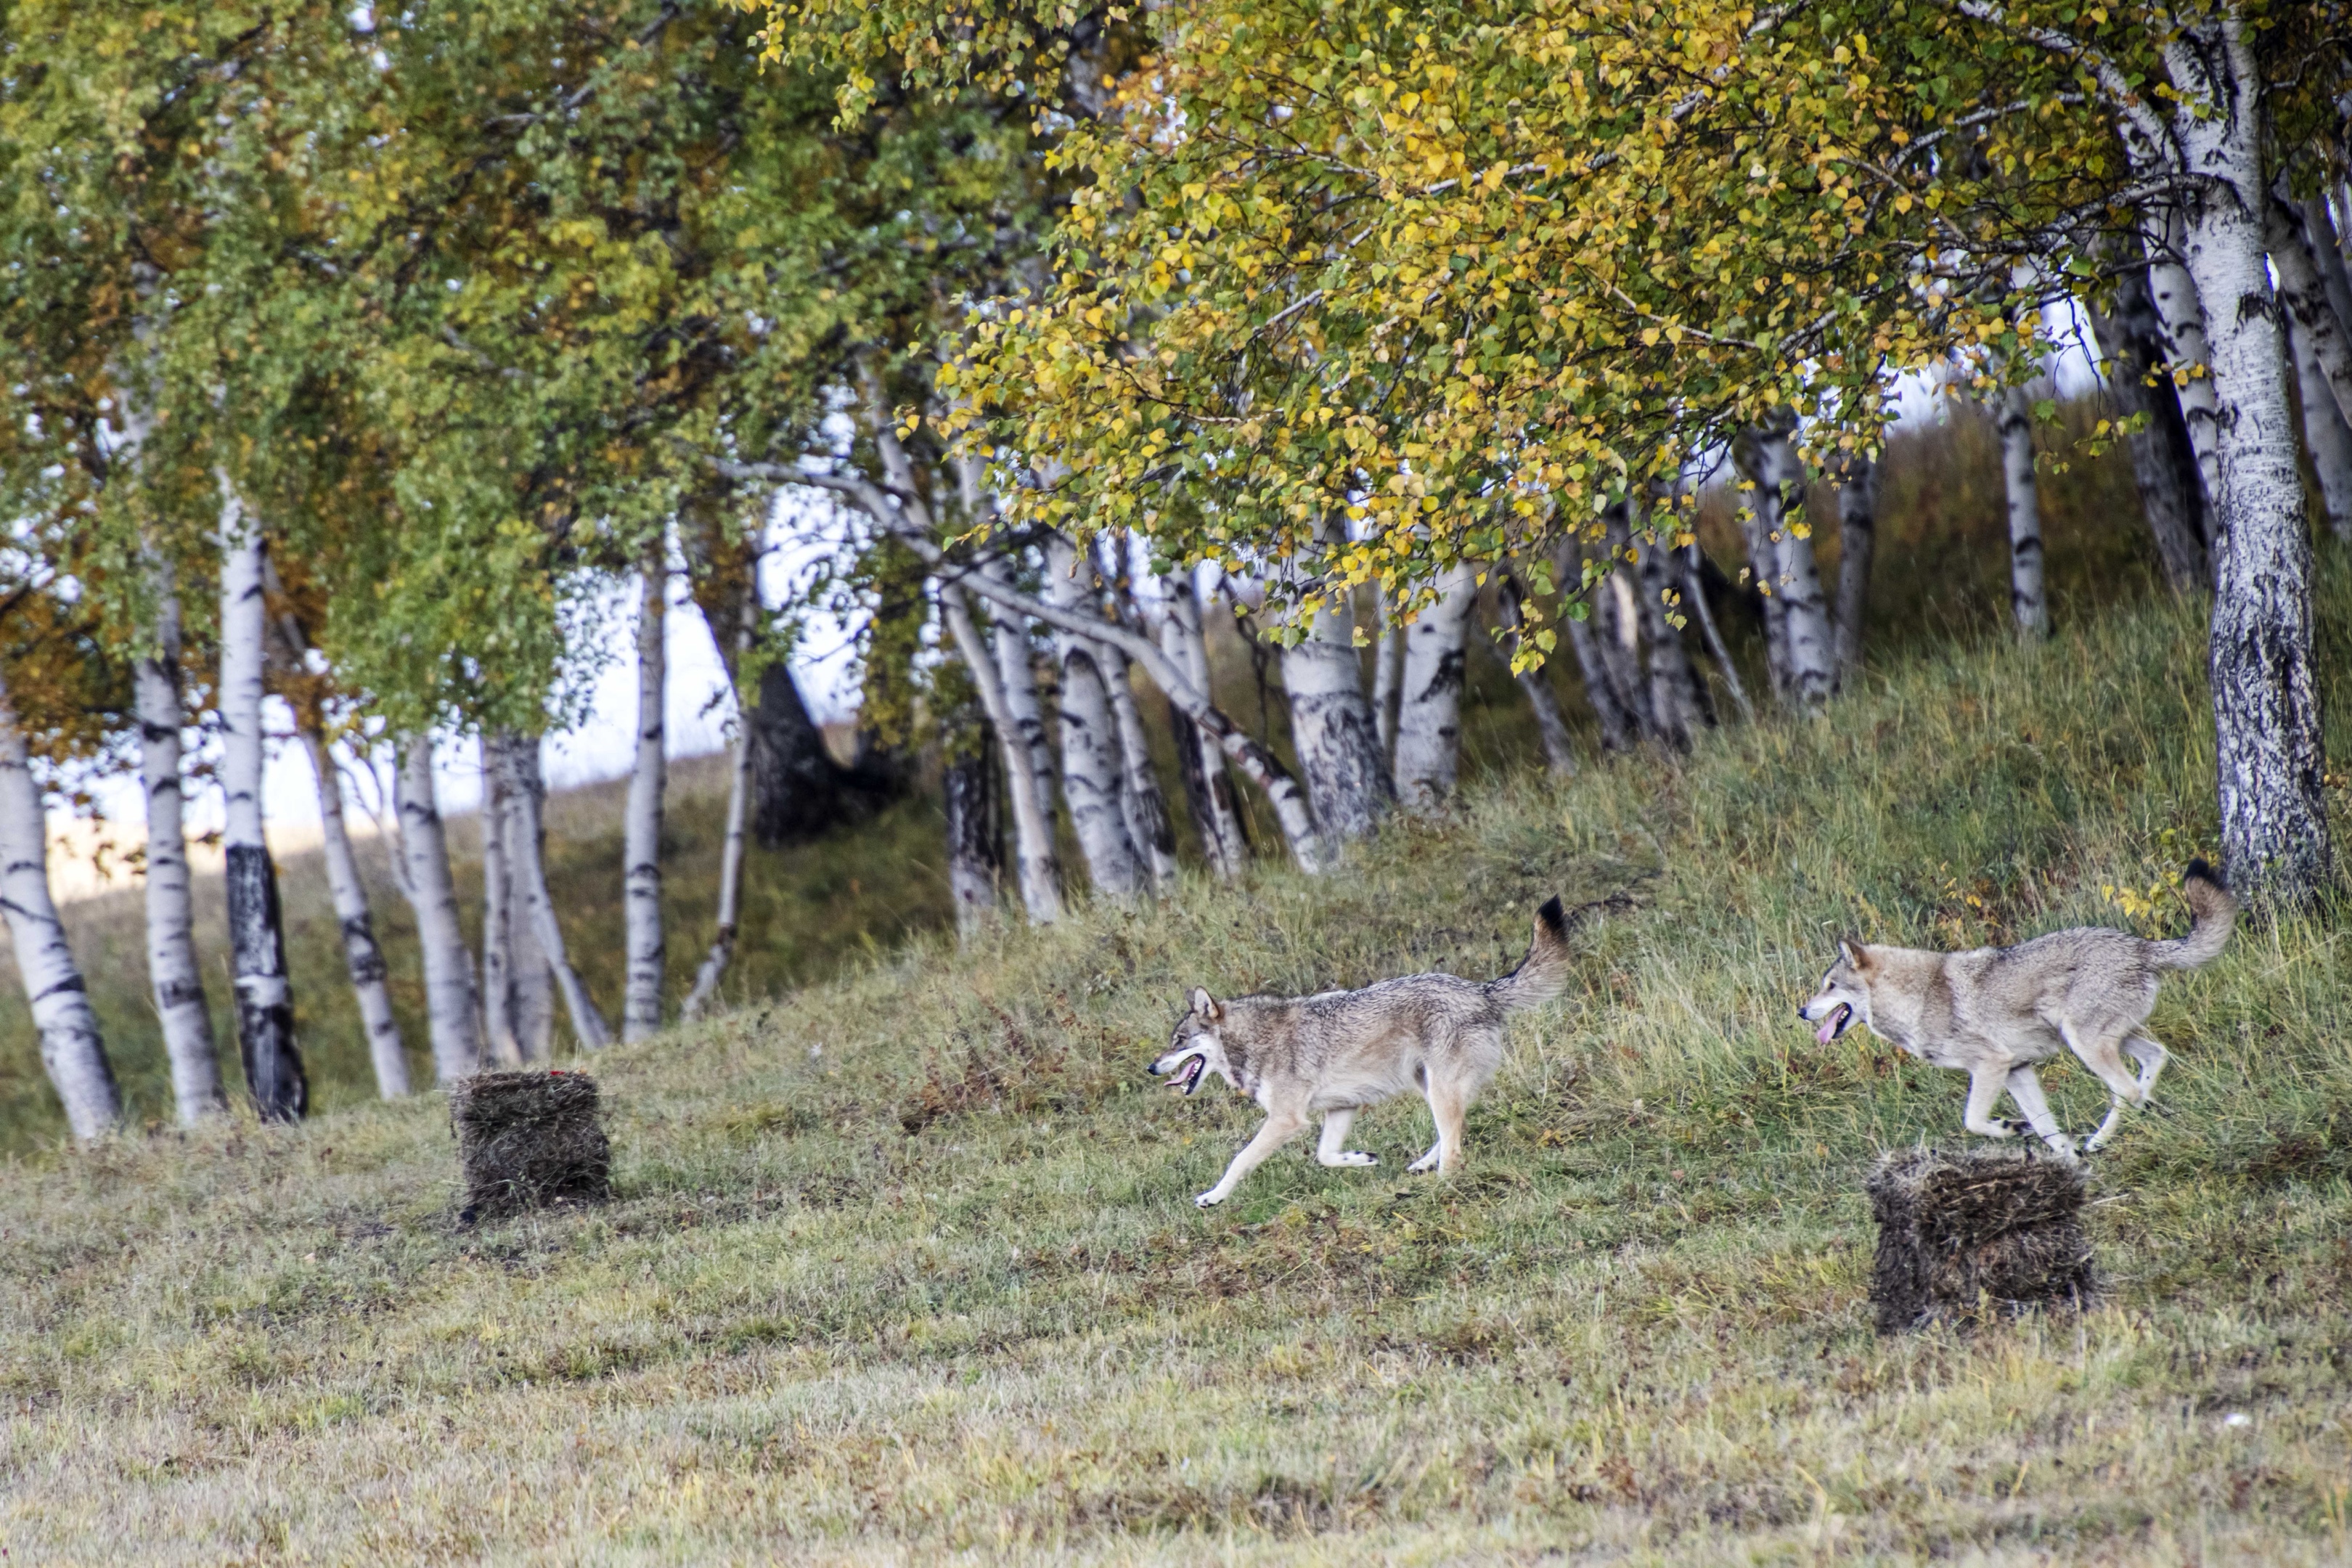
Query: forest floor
904 1264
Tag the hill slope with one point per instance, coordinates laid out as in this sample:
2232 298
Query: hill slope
906 1264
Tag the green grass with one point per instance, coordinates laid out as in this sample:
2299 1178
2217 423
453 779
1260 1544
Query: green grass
1632 1329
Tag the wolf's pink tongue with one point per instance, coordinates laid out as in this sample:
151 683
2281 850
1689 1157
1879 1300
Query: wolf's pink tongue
1826 1031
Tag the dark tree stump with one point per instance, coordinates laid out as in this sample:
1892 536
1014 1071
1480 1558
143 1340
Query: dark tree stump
1984 1230
526 1139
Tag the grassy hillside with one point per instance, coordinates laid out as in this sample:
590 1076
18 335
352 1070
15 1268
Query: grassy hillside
905 1265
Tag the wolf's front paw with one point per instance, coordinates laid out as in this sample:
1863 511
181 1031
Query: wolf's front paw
1423 1165
1208 1200
1356 1157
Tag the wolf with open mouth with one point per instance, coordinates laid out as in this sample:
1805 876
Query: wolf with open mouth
1340 1051
1995 1012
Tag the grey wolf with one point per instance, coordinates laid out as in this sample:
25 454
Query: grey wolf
1996 1012
1338 1051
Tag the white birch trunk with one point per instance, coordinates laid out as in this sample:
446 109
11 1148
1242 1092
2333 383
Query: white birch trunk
1552 728
362 958
449 999
2325 438
1808 644
1429 711
264 1008
1679 702
1208 789
2028 604
640 1008
2164 462
173 972
1857 504
1025 711
1331 725
501 1046
1148 827
71 1049
2270 752
2179 313
514 765
730 855
1695 587
527 864
1036 867
1090 751
1387 678
973 859
2322 338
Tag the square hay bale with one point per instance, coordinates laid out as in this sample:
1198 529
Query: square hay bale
526 1139
1983 1229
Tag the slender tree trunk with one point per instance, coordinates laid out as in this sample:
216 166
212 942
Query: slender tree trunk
1387 678
1208 788
1149 825
2325 440
1857 502
1695 585
2186 351
975 849
171 969
449 999
71 1049
526 863
1090 750
513 763
1620 729
1809 648
2027 601
731 857
2268 741
362 959
1331 727
1429 708
1559 752
1024 712
1037 868
501 1044
2164 462
2320 336
264 1008
1674 696
641 1009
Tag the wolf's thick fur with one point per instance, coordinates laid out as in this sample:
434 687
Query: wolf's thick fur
1340 1051
1995 1012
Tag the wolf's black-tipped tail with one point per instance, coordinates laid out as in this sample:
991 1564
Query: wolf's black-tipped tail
1543 974
2216 912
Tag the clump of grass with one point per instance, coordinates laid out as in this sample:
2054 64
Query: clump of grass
1636 1326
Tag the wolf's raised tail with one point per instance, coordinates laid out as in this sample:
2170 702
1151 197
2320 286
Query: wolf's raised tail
1543 974
2215 910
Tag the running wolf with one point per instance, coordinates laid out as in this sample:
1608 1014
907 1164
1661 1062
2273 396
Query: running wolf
1995 1012
1340 1051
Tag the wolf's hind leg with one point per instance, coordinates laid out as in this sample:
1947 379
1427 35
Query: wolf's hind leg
2025 1087
1332 1150
1280 1125
1985 1084
1448 1102
2151 1058
2101 1055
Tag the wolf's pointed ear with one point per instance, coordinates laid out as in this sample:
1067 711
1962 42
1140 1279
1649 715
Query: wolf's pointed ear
1852 950
1205 1005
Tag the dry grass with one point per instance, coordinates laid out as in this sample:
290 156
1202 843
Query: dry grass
904 1266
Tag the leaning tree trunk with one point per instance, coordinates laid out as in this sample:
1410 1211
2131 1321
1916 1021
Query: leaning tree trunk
527 864
2164 460
449 998
71 1048
1208 788
1857 504
1331 728
1677 697
173 972
2312 313
1037 867
641 1007
1387 678
1149 826
362 959
1809 647
975 843
501 1044
1090 751
2027 601
1429 709
2325 440
265 1007
1024 710
1620 729
1559 752
2180 317
730 856
1695 587
2269 743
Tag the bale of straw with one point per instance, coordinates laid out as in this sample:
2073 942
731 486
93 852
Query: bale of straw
526 1139
1982 1229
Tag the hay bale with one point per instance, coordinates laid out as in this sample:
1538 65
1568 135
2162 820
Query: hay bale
526 1139
1984 1229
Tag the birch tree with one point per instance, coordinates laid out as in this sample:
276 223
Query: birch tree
641 1013
450 1001
1429 709
2028 605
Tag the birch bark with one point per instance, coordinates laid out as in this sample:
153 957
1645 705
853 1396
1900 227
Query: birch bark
1208 789
519 756
71 1048
1331 727
1857 504
362 958
1552 729
173 972
449 997
2164 462
1148 827
640 1008
730 856
1429 709
1036 868
2029 606
1090 749
501 1046
2325 440
264 1010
